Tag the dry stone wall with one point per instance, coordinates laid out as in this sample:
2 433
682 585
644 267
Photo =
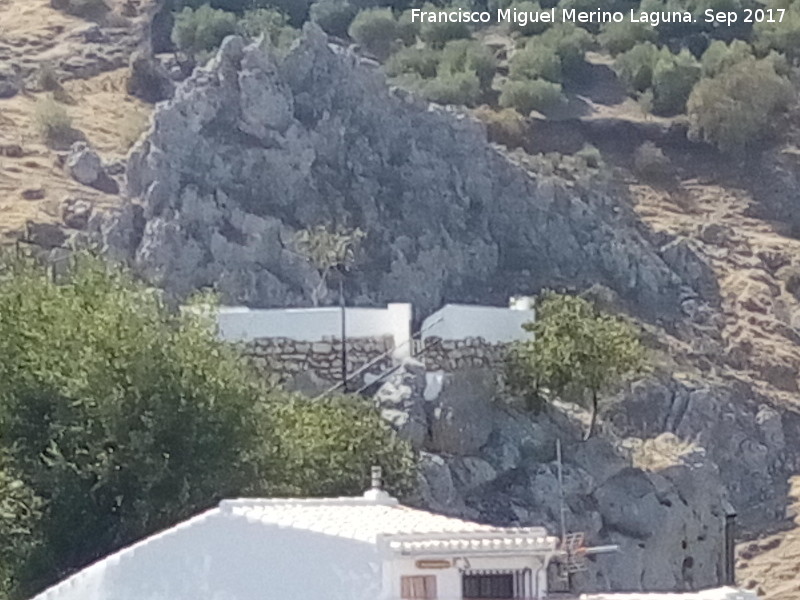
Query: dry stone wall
287 358
457 355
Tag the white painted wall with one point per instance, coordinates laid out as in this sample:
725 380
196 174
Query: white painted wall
448 581
241 324
218 556
494 324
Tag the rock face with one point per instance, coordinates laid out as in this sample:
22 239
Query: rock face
661 500
252 148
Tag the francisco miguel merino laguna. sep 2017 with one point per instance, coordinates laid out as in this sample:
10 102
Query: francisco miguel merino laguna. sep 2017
554 15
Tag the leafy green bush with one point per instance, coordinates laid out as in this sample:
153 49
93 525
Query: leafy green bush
332 446
719 56
422 61
19 513
272 24
376 30
505 126
674 75
438 34
532 27
334 16
408 30
650 162
202 30
569 43
134 416
621 37
460 56
739 106
783 36
534 94
535 61
53 122
635 67
591 156
455 88
295 10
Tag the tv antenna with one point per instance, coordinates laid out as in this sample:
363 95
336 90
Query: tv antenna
572 549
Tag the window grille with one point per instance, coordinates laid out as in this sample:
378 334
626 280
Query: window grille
418 587
497 585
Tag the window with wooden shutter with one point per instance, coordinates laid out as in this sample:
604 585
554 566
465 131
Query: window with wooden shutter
418 587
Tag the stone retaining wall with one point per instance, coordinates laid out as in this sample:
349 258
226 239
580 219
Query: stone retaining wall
286 357
455 355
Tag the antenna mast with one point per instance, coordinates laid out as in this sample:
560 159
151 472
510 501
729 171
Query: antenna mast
561 508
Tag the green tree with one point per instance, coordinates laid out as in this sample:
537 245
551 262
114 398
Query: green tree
635 67
334 16
438 34
782 36
327 249
534 94
120 416
568 42
574 347
468 56
719 56
740 106
534 62
421 61
621 37
674 76
460 89
202 30
19 512
271 23
377 30
321 430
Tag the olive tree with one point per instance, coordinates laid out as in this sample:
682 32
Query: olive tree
575 348
739 106
327 249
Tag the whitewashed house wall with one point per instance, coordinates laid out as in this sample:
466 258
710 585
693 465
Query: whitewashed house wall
218 557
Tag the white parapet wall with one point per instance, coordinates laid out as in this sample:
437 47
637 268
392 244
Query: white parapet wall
241 324
495 325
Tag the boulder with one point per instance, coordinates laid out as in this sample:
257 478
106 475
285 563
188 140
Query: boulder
76 212
148 79
46 235
436 487
401 401
462 418
9 82
84 164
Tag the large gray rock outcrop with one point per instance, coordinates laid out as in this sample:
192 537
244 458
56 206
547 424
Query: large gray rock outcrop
281 144
660 500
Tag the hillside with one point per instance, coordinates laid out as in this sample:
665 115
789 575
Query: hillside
702 251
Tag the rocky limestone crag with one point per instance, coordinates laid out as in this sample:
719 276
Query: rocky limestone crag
660 500
252 148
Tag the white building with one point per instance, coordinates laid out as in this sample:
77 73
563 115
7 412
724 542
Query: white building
365 548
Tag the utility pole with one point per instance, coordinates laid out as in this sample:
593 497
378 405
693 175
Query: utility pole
561 509
343 313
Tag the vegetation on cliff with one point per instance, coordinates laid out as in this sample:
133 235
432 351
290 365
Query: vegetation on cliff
119 417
